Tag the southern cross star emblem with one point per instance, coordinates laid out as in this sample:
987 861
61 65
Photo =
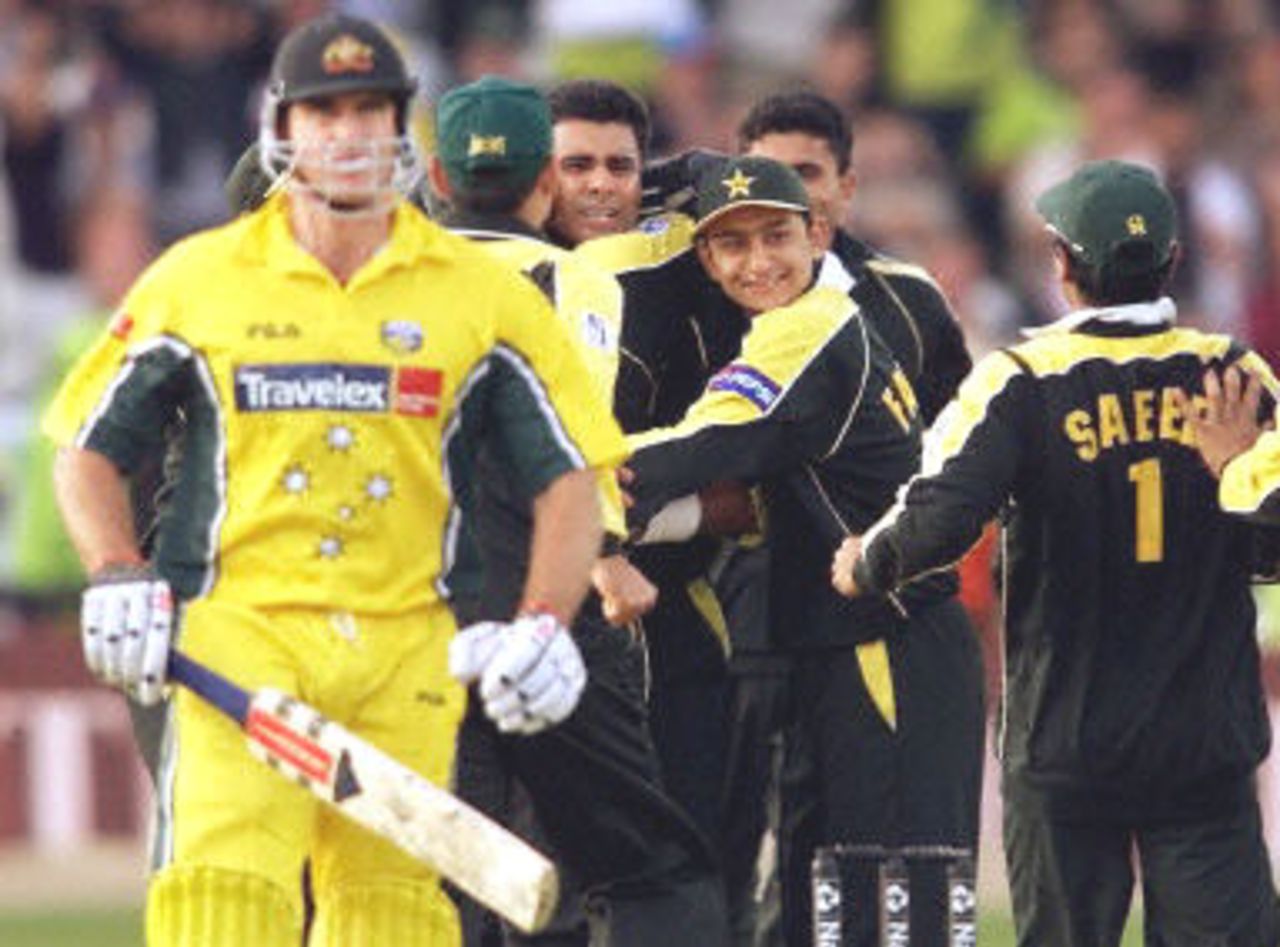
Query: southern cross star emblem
346 54
739 184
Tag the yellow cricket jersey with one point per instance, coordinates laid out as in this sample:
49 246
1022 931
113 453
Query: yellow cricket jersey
587 298
322 435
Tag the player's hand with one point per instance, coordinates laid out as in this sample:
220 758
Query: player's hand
473 648
846 558
126 626
536 676
671 184
626 477
1228 425
728 509
625 592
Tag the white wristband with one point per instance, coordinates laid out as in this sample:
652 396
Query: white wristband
674 523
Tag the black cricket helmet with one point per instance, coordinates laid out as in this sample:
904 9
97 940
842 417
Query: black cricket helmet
330 55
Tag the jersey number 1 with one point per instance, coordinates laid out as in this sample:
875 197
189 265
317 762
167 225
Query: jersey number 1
1148 510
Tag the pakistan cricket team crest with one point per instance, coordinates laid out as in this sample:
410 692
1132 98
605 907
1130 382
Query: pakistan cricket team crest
402 336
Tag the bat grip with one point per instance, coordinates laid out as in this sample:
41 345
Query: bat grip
209 685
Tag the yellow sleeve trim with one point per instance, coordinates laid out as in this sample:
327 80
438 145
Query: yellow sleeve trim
639 249
1251 477
612 512
958 420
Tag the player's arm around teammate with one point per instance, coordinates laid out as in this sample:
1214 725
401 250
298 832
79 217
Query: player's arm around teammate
1239 448
816 412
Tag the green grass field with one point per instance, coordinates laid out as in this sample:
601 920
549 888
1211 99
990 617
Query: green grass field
124 929
72 929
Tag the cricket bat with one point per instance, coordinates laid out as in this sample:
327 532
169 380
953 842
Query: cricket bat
492 865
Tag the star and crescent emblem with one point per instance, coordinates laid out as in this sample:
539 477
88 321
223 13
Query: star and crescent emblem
487 145
739 184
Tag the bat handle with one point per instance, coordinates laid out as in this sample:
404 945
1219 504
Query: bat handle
209 685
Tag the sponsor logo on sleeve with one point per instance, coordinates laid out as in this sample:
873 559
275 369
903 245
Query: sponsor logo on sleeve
751 383
418 392
121 325
596 332
655 226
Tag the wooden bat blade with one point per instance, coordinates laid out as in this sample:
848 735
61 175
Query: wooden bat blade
494 866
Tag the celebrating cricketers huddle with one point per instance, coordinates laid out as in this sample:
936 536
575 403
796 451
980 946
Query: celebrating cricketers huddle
557 555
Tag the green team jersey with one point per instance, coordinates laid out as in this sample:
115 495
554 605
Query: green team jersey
1130 655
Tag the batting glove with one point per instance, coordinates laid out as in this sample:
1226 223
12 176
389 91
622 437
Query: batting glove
473 648
535 677
126 626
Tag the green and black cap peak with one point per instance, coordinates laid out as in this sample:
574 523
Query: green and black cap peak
493 130
748 181
1113 215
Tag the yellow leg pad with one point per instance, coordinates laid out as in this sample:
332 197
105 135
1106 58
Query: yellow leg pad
408 914
216 907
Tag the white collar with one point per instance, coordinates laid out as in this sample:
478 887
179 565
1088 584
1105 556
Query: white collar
1162 312
832 273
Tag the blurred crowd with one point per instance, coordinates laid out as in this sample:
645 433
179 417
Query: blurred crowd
119 120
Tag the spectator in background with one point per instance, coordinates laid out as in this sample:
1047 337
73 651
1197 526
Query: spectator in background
989 312
1263 309
1072 40
199 63
655 48
111 246
1220 225
1113 106
491 41
42 97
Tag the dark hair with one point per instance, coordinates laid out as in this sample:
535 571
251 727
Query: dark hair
491 192
602 102
1138 279
799 111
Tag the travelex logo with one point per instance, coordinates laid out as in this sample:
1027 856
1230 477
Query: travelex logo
329 386
751 383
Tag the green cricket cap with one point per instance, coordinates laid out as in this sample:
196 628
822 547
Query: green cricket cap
1113 214
748 181
493 131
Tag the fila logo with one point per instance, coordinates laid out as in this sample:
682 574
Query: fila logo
273 330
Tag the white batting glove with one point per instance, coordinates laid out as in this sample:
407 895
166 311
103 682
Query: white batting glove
472 648
535 677
126 626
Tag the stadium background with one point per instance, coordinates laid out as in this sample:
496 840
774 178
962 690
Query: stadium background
120 118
